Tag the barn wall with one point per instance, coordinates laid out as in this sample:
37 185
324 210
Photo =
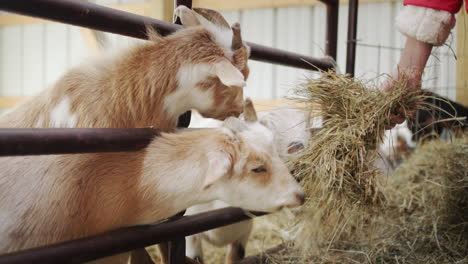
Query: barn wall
33 56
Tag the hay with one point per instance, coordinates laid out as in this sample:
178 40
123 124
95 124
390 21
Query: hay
266 233
426 218
339 155
336 168
428 204
352 215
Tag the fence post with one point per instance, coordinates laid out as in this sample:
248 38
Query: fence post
177 251
184 119
332 28
352 32
177 246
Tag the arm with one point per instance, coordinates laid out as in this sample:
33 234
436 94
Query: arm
424 28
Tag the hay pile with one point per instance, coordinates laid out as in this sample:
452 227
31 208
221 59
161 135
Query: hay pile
336 168
425 220
428 204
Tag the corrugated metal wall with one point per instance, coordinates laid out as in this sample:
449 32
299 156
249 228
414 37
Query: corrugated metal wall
33 56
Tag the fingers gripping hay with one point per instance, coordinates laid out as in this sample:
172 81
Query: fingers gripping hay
336 168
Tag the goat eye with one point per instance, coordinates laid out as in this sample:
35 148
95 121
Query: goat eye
259 169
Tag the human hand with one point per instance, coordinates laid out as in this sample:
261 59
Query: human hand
413 59
413 86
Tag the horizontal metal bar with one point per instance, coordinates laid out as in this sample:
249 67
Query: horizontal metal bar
126 239
39 141
85 14
329 2
286 58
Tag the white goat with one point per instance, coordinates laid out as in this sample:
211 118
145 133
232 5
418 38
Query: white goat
292 130
396 145
291 133
52 198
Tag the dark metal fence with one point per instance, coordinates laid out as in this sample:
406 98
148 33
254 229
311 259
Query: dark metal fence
62 141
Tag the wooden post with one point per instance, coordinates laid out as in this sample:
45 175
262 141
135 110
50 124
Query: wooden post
462 58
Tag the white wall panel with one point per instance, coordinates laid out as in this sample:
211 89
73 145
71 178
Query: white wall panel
57 57
342 36
294 31
318 29
232 16
257 26
106 2
33 59
11 53
78 49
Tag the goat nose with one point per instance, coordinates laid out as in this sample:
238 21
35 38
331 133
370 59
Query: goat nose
300 197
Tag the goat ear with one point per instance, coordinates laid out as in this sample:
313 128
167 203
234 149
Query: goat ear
219 165
228 74
249 111
234 124
187 16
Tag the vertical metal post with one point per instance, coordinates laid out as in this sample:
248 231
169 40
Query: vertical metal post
331 37
177 251
177 246
184 119
352 30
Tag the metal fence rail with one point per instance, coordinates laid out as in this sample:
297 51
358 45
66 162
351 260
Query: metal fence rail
125 239
39 141
85 14
59 141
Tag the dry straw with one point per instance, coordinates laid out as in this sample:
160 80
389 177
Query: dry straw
425 219
336 168
352 214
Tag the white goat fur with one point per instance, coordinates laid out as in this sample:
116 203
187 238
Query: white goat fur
148 84
98 192
290 126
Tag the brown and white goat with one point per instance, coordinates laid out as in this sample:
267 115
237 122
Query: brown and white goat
202 67
291 131
52 198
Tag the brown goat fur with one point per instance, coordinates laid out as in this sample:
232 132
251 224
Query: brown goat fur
129 90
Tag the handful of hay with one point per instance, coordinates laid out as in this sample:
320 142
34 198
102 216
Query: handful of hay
336 168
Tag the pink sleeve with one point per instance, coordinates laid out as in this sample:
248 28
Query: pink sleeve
452 6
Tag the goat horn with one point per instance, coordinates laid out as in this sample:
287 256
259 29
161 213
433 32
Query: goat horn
212 16
249 111
236 37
